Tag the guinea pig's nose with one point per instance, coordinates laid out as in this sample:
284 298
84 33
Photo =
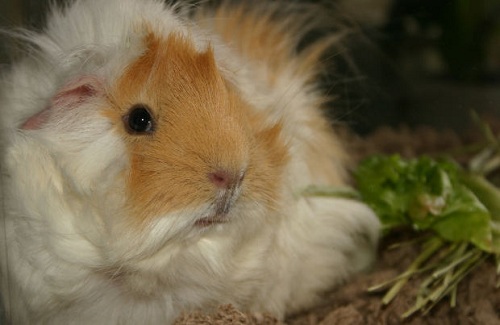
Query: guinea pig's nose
224 179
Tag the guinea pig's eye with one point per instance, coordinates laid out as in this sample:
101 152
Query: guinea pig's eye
139 120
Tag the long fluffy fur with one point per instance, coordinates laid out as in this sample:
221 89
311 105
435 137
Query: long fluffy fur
104 226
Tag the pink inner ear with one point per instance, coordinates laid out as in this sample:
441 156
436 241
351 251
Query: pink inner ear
37 120
74 93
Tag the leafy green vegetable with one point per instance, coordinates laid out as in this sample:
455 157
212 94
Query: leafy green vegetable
426 194
461 208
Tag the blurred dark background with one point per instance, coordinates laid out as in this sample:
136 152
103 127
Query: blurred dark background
411 62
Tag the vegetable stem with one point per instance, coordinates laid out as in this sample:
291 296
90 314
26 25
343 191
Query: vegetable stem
447 283
330 191
486 192
452 265
432 246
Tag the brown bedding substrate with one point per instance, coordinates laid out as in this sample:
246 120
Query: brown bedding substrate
478 301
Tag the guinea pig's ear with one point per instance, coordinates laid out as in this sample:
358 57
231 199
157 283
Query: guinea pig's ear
74 93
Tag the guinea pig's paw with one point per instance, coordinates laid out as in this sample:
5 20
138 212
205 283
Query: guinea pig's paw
363 227
365 239
351 227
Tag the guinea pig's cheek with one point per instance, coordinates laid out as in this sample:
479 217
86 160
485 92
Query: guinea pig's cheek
268 167
156 190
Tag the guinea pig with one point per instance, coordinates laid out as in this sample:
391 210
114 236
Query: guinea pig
153 157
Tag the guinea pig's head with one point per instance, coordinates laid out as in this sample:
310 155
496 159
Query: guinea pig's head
166 151
198 154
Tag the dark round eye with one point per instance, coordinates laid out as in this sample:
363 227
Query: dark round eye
139 120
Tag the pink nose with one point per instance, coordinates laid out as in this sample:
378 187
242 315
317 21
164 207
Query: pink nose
224 179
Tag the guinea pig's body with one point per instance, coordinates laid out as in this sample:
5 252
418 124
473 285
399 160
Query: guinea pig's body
152 163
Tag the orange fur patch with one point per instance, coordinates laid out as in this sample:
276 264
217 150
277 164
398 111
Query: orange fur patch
202 125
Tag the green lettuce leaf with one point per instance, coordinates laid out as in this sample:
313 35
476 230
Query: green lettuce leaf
426 194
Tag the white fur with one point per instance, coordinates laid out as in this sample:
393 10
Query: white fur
66 241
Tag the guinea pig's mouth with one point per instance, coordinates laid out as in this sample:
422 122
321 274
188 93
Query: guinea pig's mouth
211 220
218 212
